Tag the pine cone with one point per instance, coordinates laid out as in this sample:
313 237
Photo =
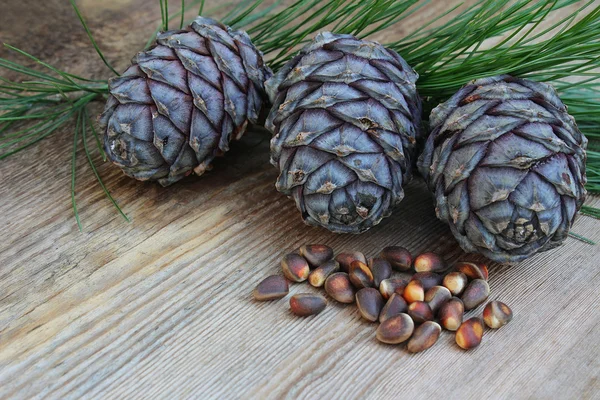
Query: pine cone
180 103
506 163
345 119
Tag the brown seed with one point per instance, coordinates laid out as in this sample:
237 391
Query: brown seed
369 303
360 275
429 262
305 304
414 292
424 337
346 258
436 297
420 312
316 254
381 270
318 275
399 258
476 292
484 270
396 329
472 270
470 333
295 267
339 287
451 314
394 306
427 279
387 287
456 282
271 288
497 314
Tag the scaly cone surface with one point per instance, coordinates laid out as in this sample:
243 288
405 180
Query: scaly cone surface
180 103
345 118
506 164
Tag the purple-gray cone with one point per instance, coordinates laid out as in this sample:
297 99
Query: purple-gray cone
180 103
506 164
345 119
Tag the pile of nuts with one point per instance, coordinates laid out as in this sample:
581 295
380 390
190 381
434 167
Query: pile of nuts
407 306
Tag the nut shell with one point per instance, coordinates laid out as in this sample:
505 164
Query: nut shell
395 305
399 258
476 292
318 275
381 269
429 262
360 275
414 292
436 297
369 303
346 258
470 333
484 270
339 287
295 267
395 330
420 312
497 314
387 287
425 336
305 304
271 288
455 282
472 270
316 254
427 279
451 314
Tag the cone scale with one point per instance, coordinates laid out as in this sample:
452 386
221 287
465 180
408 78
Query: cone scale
506 164
181 102
345 119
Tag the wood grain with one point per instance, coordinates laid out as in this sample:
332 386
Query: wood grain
161 307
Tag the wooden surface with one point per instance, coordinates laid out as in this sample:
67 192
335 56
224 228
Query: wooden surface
161 307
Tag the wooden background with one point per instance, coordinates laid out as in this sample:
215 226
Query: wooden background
161 307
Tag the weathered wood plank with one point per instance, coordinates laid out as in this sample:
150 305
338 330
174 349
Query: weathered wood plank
161 306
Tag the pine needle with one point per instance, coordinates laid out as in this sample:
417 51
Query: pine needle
583 239
182 14
166 5
162 16
187 6
164 13
96 137
87 30
93 166
591 211
73 173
